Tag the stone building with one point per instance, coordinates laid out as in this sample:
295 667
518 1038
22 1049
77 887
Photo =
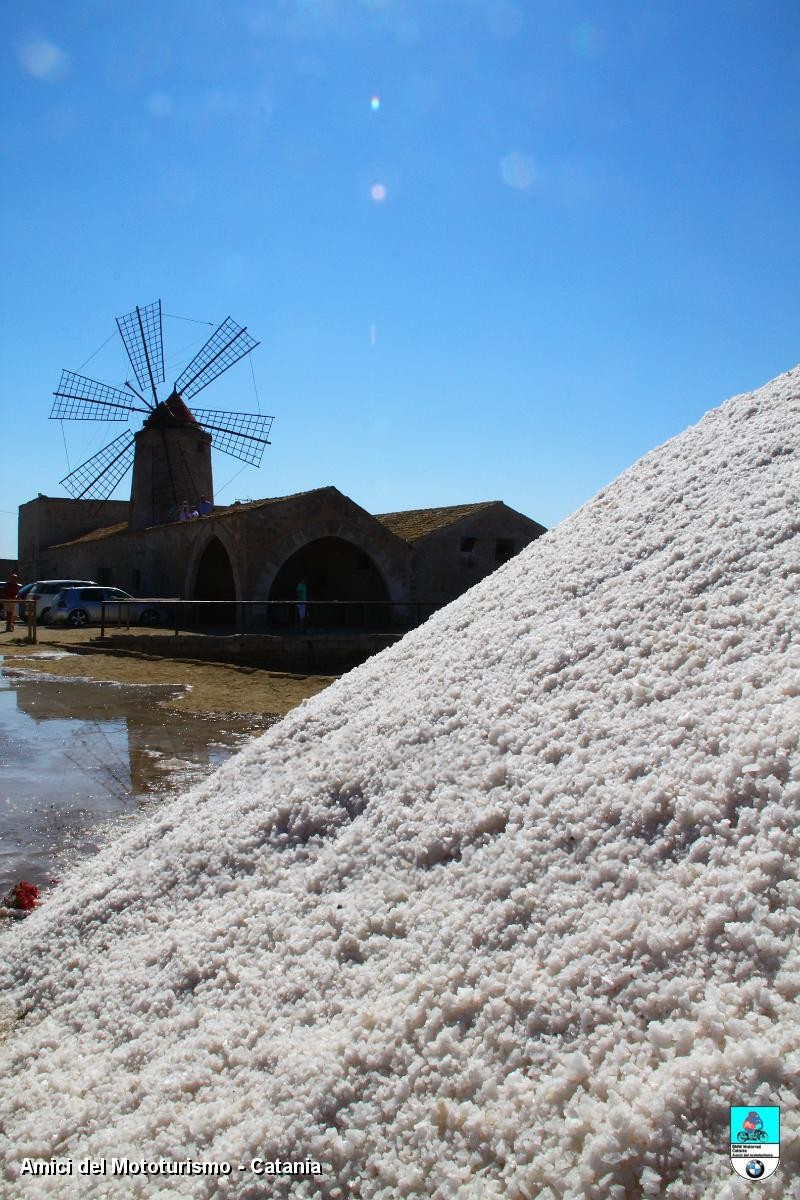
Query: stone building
452 548
262 549
49 520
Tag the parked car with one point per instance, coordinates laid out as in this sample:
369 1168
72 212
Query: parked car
45 591
79 606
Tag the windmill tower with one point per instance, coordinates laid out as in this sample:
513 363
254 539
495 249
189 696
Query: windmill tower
171 453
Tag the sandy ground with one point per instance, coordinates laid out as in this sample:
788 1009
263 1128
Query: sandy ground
212 687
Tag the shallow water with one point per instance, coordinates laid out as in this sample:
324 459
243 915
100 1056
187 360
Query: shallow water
76 755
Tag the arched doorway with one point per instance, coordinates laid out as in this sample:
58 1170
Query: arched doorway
333 570
214 581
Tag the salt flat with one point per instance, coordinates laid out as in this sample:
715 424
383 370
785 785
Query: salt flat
509 911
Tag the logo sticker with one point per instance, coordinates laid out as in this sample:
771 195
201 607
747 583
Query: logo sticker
755 1140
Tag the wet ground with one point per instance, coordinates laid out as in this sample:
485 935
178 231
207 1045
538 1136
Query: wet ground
78 756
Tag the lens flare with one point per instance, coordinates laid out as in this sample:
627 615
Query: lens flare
378 192
375 103
518 170
43 60
586 40
159 104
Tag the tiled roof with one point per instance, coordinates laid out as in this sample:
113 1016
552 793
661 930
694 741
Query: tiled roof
219 510
95 535
410 525
419 522
248 504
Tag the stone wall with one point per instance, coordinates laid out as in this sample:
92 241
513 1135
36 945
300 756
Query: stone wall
449 561
330 654
48 521
278 531
149 562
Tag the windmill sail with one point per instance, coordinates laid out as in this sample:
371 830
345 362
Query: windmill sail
226 346
242 435
171 453
99 475
141 333
81 399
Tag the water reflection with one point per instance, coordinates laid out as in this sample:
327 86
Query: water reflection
75 754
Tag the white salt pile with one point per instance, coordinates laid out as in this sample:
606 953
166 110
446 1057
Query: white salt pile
510 911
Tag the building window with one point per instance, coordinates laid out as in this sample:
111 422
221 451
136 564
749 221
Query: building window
467 545
504 549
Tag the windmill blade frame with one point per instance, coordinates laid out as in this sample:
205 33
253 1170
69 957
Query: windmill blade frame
143 337
228 343
165 461
96 478
79 398
242 435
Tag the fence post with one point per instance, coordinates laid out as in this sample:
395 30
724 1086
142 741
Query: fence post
30 613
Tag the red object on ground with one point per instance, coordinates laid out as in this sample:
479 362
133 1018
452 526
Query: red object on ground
26 895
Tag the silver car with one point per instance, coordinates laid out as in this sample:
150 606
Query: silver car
79 606
44 591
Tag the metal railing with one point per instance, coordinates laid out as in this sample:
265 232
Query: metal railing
320 617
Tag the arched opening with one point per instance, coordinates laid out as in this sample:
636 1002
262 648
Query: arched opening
214 579
339 573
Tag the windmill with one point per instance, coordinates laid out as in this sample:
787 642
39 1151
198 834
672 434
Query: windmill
171 453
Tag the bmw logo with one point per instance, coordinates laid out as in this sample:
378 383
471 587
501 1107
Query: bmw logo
755 1168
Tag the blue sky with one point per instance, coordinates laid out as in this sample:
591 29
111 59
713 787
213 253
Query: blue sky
491 248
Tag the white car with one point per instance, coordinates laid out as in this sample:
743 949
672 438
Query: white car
46 590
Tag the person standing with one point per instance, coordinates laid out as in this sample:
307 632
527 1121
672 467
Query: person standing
301 594
10 593
204 507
